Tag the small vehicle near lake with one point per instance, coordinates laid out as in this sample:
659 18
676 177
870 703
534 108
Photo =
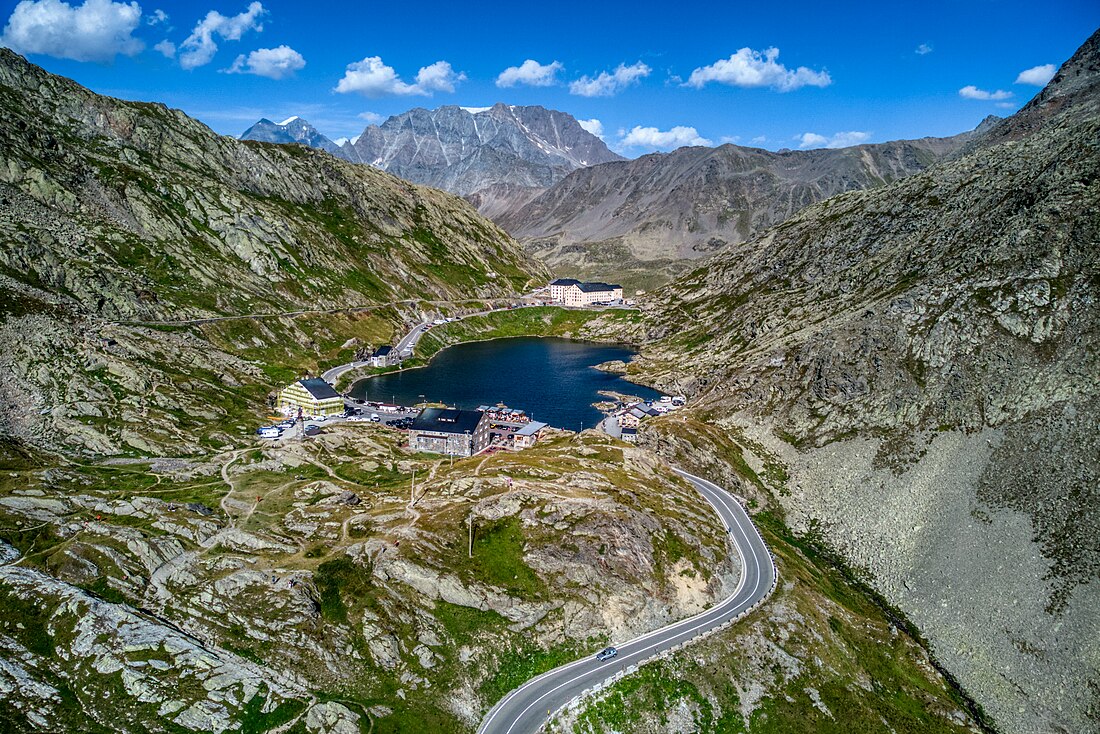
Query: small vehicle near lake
606 654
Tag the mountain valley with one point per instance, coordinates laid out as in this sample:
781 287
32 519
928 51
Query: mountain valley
889 355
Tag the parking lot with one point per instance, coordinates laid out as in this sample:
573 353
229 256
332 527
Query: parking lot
359 413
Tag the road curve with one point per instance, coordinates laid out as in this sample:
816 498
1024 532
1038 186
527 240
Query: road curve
527 708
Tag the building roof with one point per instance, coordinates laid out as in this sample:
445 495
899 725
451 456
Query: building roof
318 388
630 431
447 420
531 429
383 351
596 287
565 281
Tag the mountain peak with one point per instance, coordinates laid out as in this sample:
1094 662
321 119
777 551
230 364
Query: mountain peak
1076 86
486 150
294 129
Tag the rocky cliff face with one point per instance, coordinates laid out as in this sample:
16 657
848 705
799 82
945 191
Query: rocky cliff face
487 154
291 130
660 211
137 211
925 358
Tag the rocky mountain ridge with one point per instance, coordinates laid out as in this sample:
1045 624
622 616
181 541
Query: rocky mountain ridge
498 157
924 359
137 211
657 213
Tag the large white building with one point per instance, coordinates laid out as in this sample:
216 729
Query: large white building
575 293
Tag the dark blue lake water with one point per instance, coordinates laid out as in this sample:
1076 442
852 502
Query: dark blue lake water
552 379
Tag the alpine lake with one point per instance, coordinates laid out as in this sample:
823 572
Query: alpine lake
554 380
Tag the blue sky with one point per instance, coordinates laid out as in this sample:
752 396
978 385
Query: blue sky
654 75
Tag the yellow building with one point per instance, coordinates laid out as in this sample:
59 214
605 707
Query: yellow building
314 396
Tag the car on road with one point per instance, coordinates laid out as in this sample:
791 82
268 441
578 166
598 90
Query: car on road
606 654
375 418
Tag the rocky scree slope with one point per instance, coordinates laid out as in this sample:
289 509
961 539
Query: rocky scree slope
139 212
664 209
925 358
497 156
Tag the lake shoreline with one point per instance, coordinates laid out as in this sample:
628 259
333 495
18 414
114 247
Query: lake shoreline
555 379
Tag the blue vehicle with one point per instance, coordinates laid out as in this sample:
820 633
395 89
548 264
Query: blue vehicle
606 654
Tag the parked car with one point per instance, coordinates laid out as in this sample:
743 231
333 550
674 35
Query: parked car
606 654
375 418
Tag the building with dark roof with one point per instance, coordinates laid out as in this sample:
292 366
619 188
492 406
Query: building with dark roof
383 357
449 431
575 293
559 286
313 396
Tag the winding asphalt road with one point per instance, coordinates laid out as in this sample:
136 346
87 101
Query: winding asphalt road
527 708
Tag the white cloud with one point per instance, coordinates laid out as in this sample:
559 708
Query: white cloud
372 78
1037 75
167 48
972 92
273 63
98 30
812 140
199 48
752 69
923 49
157 17
759 139
729 139
531 73
606 84
593 126
372 118
652 138
838 140
437 77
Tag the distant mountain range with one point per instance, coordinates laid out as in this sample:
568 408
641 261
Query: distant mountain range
644 219
589 212
499 157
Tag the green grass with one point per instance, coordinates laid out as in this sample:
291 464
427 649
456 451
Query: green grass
342 586
518 665
532 321
34 618
498 559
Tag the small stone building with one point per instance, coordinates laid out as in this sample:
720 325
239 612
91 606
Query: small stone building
449 431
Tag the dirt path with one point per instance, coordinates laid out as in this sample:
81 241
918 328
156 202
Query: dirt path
225 478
